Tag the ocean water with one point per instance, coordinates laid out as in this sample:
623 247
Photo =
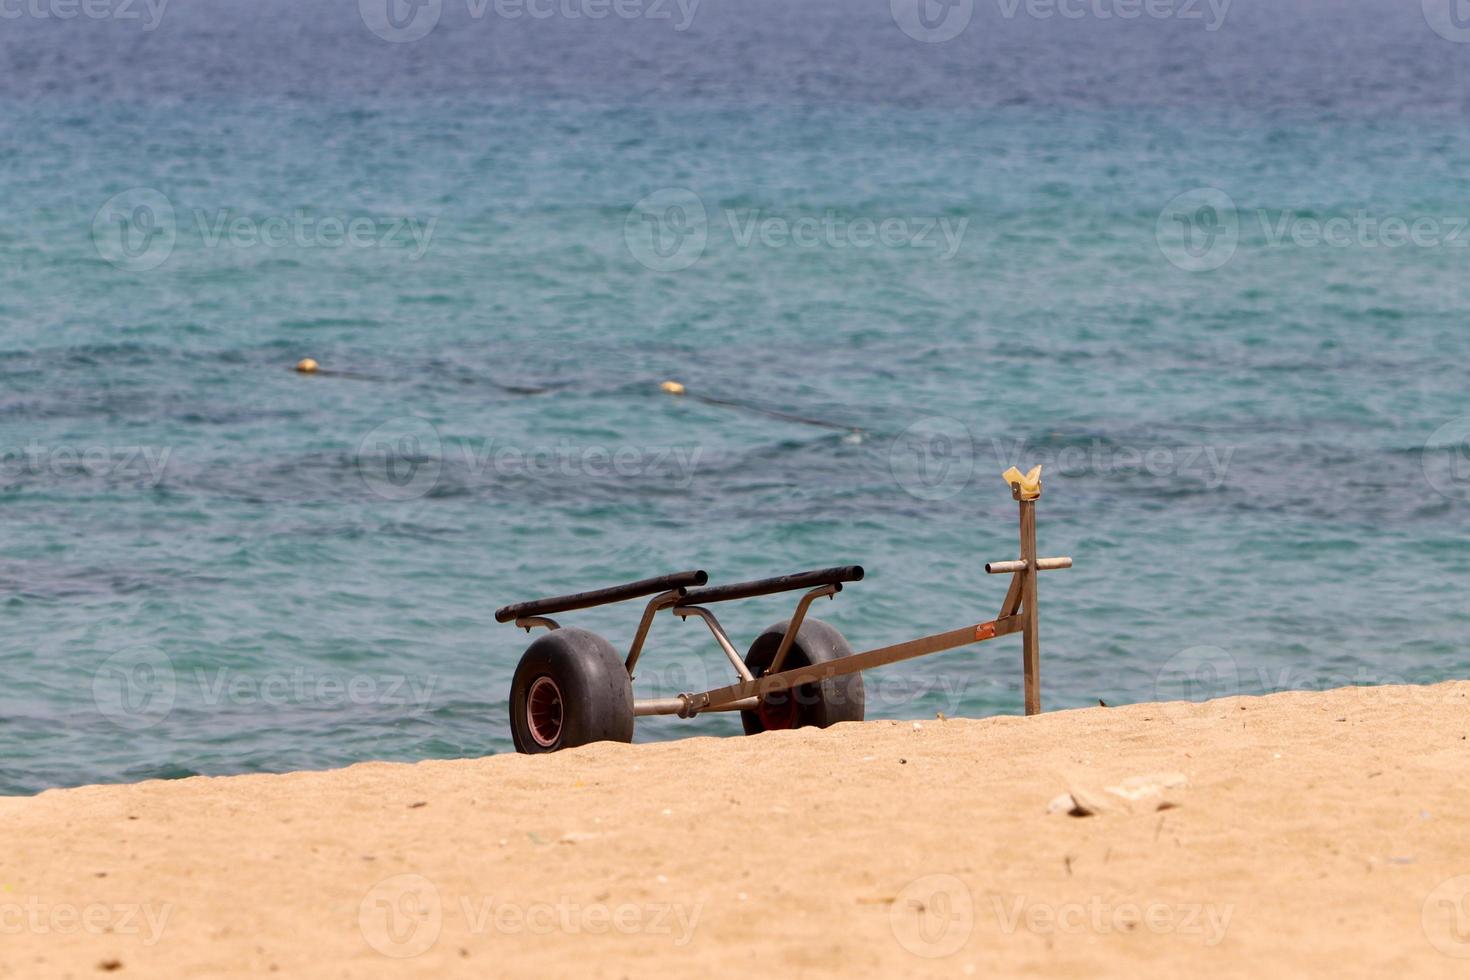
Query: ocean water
1211 271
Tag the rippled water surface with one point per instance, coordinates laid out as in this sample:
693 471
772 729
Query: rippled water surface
885 269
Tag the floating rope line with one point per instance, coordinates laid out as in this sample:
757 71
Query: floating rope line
678 389
308 365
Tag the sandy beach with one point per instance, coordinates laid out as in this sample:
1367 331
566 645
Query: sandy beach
1302 833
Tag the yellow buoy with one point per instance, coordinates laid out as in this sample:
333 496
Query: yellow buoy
672 388
306 366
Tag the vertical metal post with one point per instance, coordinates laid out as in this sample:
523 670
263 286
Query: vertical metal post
1031 645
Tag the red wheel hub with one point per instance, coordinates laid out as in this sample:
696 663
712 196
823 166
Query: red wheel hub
779 715
544 712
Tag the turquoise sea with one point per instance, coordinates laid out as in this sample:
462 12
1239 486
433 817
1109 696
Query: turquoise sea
1214 279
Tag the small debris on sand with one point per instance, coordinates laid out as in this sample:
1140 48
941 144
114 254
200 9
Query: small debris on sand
1140 787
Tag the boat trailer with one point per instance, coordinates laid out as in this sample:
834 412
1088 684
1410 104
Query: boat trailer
572 687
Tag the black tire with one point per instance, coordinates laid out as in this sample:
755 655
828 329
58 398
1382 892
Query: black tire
570 688
817 705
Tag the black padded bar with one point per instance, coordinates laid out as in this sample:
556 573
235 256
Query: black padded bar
599 597
770 586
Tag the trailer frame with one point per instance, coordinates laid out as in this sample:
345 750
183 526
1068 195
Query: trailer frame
687 594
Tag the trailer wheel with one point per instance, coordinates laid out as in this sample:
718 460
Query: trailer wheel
817 705
570 688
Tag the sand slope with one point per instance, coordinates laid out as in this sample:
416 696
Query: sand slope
1312 833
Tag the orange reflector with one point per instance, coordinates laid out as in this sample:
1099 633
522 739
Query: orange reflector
985 631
